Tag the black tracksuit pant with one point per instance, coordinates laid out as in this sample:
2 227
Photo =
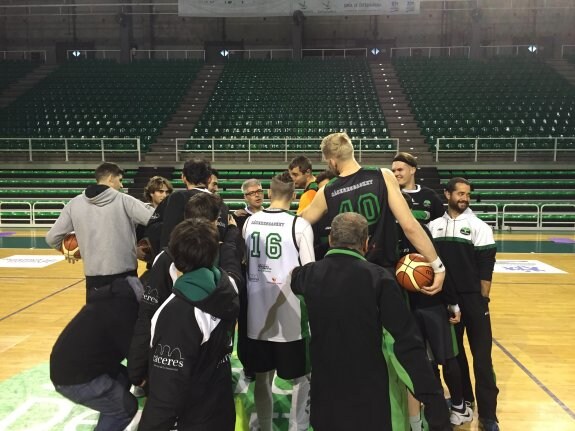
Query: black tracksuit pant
476 322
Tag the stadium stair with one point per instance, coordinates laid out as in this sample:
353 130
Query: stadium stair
399 117
24 84
186 115
564 68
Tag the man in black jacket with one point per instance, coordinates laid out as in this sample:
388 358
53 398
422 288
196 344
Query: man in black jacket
85 364
354 307
196 175
163 274
192 339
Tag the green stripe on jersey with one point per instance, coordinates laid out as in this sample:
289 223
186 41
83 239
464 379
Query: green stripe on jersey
485 247
453 239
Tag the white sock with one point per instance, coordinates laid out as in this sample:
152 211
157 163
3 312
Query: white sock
263 399
416 423
299 414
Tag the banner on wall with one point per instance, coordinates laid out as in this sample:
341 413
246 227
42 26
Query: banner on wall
261 8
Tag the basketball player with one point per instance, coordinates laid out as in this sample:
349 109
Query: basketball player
375 194
302 176
435 322
427 205
351 304
276 242
467 245
104 221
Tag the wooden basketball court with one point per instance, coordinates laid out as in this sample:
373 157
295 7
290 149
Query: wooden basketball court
532 316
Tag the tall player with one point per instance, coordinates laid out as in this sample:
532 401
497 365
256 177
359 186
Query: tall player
276 242
375 194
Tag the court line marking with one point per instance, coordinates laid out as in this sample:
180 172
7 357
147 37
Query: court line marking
40 300
535 379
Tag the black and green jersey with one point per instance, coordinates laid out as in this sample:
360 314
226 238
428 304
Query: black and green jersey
365 192
427 204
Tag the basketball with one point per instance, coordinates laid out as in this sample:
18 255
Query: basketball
70 247
413 272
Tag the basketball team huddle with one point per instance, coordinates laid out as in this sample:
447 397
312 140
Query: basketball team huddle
314 297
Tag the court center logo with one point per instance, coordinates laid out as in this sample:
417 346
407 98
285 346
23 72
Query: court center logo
167 357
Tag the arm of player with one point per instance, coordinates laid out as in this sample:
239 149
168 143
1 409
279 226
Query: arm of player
60 228
317 208
306 250
413 230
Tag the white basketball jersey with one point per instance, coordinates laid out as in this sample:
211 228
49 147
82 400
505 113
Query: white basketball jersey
274 312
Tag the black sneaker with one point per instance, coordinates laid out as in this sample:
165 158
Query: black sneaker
488 425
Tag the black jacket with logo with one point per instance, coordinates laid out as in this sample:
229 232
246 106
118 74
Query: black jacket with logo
159 287
192 340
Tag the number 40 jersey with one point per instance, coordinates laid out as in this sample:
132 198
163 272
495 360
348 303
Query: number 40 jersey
276 242
365 192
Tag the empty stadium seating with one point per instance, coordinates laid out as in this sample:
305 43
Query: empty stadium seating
513 198
37 196
291 99
11 71
98 99
499 98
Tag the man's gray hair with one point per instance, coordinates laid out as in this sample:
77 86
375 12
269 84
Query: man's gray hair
250 183
349 230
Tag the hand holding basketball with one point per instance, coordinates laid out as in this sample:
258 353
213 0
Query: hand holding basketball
413 272
70 248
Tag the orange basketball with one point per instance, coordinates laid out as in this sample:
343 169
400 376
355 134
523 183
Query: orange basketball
70 247
413 272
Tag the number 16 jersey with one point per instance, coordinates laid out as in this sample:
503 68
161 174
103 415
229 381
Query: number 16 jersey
276 242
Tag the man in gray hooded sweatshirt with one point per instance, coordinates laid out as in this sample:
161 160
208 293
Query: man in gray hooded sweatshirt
104 220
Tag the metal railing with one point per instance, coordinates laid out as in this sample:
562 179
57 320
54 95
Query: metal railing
168 54
36 208
515 149
335 52
21 207
491 211
105 146
510 49
512 215
249 146
566 210
462 50
265 54
22 55
99 54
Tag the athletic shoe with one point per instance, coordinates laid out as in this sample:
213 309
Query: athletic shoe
488 425
460 417
470 404
138 391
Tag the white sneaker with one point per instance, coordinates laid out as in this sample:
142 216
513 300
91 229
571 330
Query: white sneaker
458 418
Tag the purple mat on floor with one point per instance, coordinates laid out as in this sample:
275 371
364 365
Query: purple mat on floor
562 240
6 233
